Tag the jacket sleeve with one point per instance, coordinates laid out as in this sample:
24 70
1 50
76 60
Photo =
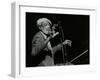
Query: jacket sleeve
37 45
57 48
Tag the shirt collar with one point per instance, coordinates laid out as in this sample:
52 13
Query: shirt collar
43 35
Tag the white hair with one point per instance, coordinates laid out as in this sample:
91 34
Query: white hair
43 21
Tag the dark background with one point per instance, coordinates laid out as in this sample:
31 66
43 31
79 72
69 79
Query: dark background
75 28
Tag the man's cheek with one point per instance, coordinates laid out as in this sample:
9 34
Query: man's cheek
48 29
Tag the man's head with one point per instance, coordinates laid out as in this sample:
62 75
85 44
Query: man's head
44 25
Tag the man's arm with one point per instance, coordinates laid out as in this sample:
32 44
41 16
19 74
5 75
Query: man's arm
38 44
59 46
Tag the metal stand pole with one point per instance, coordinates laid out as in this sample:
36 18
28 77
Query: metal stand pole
63 47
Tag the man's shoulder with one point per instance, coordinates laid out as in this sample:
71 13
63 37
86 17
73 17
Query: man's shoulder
37 35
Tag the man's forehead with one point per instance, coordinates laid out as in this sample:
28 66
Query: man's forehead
44 21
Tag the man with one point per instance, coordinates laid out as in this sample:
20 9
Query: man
42 51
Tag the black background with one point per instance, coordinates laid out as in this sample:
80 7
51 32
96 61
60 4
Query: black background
75 28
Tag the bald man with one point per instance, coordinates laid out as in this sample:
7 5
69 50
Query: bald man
42 51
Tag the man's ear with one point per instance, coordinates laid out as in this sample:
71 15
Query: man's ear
40 28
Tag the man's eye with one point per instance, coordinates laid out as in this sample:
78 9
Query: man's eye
44 24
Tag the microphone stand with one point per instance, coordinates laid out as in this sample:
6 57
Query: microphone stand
62 46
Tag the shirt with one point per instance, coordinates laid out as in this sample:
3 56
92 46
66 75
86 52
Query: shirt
48 44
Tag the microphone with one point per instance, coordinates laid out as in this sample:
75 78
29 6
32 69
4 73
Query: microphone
55 30
55 26
58 25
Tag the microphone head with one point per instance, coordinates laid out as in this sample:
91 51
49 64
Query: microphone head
57 26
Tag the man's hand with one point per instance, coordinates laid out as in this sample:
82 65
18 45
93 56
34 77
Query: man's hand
69 42
54 34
